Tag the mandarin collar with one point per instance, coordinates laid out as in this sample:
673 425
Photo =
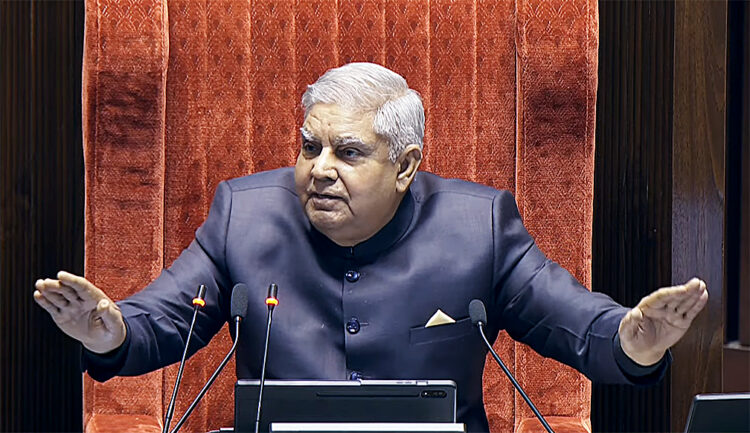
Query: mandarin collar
381 241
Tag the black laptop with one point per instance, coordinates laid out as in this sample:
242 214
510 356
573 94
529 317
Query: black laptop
719 413
356 401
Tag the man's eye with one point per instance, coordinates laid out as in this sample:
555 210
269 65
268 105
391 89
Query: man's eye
309 147
350 152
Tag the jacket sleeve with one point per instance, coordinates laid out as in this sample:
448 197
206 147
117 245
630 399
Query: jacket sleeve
540 304
158 317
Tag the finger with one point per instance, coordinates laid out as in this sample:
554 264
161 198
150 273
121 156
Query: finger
693 291
66 292
695 283
44 303
46 284
685 304
56 299
661 298
50 290
697 306
49 286
673 297
83 287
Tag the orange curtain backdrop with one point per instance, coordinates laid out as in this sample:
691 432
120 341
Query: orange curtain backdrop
181 94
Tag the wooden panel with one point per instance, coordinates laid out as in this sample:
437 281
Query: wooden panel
736 365
698 192
744 218
737 229
736 361
632 186
41 217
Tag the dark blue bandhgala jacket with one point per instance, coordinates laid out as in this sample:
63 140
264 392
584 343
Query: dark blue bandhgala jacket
361 311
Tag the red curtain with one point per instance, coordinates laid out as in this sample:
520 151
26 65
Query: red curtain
181 94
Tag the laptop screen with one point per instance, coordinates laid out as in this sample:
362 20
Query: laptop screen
344 401
719 413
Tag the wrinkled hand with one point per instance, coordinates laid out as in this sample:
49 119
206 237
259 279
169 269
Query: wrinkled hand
660 320
82 311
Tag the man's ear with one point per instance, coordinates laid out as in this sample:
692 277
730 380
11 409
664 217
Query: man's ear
408 164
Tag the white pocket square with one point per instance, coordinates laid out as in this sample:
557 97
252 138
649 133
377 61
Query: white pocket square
439 318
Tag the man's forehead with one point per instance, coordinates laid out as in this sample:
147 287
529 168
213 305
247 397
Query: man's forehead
336 124
338 117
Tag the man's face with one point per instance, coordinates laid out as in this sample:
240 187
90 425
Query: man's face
344 179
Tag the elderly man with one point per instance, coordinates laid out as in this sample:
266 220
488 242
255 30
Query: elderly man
367 250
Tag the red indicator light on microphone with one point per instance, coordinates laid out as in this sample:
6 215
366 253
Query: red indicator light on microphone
198 301
271 300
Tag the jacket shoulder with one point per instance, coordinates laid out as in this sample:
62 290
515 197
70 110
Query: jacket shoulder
427 185
280 178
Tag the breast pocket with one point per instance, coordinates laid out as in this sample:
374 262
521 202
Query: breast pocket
422 335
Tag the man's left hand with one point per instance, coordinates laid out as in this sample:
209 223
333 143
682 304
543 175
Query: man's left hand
660 320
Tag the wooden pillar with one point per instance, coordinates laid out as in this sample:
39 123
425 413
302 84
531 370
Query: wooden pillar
41 217
632 186
660 188
736 368
698 191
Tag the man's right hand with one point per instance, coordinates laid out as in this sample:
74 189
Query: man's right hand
83 311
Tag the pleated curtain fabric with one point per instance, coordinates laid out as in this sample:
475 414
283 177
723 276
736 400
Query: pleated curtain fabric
181 94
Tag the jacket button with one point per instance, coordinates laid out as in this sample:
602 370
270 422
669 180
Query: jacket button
352 326
352 276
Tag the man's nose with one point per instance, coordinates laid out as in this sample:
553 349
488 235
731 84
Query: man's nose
324 166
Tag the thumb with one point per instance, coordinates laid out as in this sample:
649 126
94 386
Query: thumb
109 314
629 323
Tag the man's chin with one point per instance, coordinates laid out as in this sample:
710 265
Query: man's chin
326 221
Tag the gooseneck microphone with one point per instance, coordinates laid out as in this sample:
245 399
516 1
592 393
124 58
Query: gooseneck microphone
271 302
478 315
198 302
238 311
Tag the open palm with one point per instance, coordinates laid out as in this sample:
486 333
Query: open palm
660 320
82 311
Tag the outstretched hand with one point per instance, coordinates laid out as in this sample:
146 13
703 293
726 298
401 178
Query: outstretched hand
82 310
660 320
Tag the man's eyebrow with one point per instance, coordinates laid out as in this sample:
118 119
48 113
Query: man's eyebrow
343 141
340 141
307 135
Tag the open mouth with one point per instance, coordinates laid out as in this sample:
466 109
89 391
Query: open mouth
324 196
325 201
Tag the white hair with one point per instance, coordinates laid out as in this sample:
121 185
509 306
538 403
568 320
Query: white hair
371 88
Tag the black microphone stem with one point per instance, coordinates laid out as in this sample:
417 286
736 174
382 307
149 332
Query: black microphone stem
170 410
263 370
212 379
513 380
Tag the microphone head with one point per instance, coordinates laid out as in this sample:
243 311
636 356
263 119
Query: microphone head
239 301
200 297
273 290
201 292
477 312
